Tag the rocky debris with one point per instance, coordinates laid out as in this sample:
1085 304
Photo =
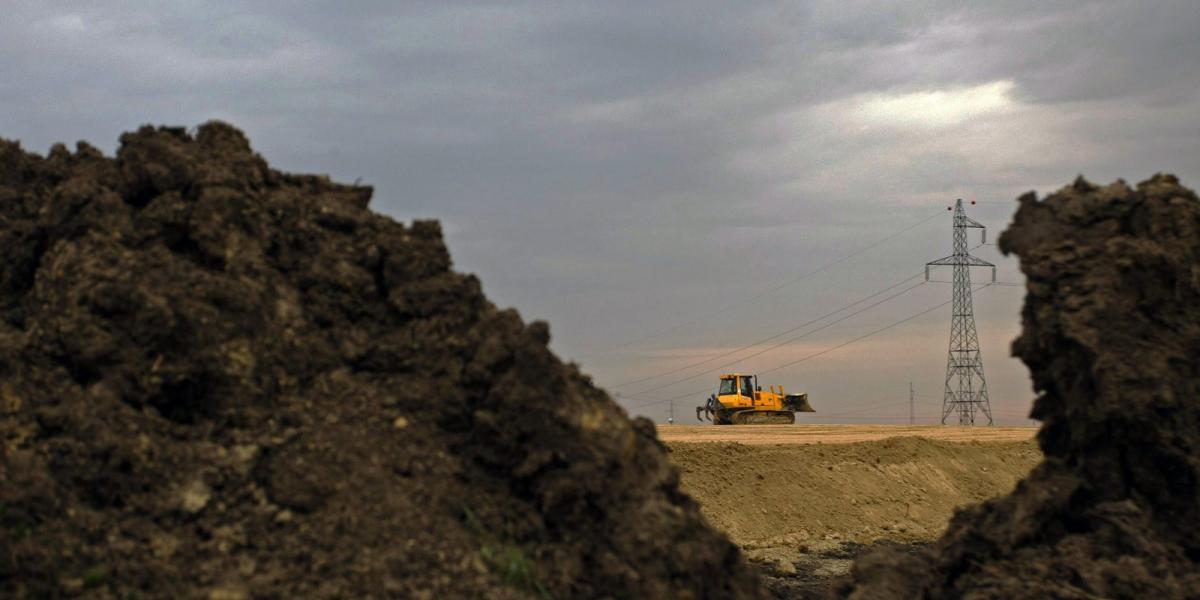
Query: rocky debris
807 571
224 381
1112 338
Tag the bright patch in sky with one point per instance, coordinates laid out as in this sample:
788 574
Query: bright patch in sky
71 23
935 108
613 112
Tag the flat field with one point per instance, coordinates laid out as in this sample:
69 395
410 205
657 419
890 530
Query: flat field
837 434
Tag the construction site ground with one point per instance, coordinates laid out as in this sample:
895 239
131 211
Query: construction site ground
837 434
803 501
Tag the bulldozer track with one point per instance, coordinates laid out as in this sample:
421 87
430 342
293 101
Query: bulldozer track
763 417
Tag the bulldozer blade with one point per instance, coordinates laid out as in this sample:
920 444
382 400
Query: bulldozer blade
798 403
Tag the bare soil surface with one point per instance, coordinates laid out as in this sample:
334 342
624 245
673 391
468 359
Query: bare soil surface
903 488
837 434
803 511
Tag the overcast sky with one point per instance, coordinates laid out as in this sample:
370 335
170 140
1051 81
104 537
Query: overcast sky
672 174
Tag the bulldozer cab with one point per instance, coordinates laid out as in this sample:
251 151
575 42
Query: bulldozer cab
728 386
741 385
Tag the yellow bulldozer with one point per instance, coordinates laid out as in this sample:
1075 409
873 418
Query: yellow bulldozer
741 401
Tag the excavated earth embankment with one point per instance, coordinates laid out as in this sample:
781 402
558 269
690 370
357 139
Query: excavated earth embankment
900 489
1112 338
219 380
802 511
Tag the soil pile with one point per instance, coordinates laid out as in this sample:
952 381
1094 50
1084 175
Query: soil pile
223 381
1111 336
901 489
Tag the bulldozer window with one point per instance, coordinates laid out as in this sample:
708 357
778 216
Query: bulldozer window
747 387
728 386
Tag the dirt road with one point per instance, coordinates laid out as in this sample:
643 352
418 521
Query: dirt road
837 434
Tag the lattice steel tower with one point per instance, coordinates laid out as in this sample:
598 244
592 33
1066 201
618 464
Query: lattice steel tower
966 388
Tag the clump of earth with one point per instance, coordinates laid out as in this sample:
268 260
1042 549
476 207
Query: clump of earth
224 381
1111 337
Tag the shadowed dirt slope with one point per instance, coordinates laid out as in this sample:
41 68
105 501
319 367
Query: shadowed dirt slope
1112 338
219 380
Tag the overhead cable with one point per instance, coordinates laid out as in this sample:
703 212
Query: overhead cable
747 299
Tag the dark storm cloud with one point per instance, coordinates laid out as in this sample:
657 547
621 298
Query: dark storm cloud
619 167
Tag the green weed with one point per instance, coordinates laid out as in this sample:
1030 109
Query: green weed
506 560
94 578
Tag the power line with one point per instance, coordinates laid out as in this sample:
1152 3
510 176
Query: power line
815 354
777 345
898 404
766 339
885 418
862 409
999 283
751 298
861 337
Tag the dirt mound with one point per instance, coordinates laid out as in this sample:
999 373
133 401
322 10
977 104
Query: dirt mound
224 381
901 488
1111 335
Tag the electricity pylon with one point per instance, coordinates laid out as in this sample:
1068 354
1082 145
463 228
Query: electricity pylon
912 405
964 365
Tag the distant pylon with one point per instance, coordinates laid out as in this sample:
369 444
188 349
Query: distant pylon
912 406
964 365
